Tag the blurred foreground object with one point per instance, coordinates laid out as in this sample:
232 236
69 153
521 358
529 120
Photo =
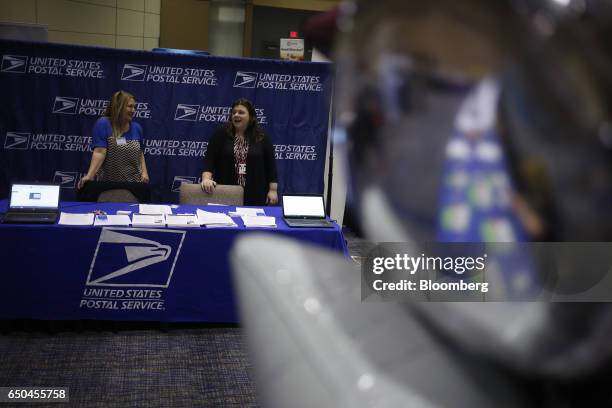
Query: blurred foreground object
313 344
407 67
498 109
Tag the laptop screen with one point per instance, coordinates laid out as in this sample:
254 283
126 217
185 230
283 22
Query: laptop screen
35 196
303 206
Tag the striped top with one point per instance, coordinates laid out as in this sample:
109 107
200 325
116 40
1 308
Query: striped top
122 161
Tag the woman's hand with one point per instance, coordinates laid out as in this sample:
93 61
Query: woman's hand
144 178
84 180
208 185
272 198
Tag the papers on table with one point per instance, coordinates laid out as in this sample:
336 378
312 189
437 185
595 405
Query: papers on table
182 220
76 219
120 219
240 211
259 221
206 218
148 220
152 209
214 219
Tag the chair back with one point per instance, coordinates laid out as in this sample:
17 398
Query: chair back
117 196
223 194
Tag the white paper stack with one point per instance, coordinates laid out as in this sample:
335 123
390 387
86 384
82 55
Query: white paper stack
148 220
76 219
240 211
182 220
259 221
151 209
120 219
214 219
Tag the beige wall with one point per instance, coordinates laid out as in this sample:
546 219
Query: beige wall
184 24
135 24
109 23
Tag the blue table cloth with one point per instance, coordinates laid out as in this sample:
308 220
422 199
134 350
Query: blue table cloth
58 272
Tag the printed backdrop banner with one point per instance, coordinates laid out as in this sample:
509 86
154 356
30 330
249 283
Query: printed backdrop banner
53 94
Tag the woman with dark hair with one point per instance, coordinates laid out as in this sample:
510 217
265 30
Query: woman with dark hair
240 153
117 144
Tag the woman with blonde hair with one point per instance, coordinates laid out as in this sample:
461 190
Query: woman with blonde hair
117 144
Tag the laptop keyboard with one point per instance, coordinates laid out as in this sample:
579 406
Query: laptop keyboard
14 218
308 223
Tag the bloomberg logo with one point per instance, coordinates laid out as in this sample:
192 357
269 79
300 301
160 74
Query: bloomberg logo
14 63
133 72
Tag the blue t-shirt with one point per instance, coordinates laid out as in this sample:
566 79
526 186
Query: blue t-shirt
102 130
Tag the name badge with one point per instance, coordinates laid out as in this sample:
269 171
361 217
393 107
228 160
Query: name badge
241 168
121 141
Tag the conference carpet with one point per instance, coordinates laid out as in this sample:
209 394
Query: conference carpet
122 366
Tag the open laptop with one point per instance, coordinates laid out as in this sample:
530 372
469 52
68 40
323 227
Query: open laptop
305 211
33 204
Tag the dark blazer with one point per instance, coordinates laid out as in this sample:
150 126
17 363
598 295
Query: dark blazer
261 167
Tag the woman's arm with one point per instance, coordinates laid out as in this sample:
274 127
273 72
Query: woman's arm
97 158
208 184
143 167
272 197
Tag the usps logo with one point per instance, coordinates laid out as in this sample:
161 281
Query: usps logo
65 105
178 180
245 79
132 72
17 140
186 112
14 63
66 179
135 257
